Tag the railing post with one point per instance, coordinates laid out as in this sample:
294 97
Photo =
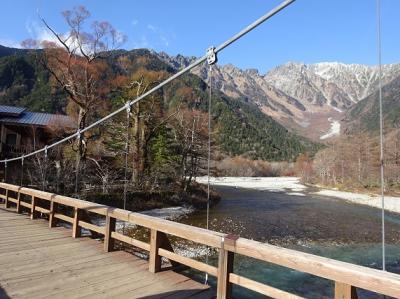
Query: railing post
110 227
76 229
33 208
345 291
19 210
7 203
154 258
225 268
53 210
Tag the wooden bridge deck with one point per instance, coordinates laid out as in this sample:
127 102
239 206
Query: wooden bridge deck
39 262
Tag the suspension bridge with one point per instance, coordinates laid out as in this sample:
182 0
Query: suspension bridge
40 257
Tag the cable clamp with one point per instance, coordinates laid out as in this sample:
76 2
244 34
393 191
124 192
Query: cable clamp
22 159
128 107
45 151
78 136
211 56
5 163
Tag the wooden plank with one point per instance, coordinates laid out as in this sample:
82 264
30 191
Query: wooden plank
188 262
225 267
358 276
130 241
25 204
19 208
109 229
261 288
53 211
186 289
154 258
64 218
12 199
92 227
7 203
101 282
345 291
42 210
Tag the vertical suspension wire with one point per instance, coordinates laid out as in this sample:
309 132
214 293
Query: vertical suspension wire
382 174
22 172
44 185
78 166
5 171
128 112
208 163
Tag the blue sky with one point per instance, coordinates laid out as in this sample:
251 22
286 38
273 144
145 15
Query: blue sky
307 31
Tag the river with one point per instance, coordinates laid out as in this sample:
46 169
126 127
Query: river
304 221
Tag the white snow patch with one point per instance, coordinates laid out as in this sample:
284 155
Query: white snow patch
334 130
391 203
273 184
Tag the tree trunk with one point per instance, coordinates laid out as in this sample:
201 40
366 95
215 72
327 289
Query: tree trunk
81 154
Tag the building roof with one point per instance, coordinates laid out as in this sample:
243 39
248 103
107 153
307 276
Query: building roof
11 110
33 118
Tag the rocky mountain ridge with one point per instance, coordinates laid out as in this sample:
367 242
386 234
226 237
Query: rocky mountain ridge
311 99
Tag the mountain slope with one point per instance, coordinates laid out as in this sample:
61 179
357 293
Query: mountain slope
364 116
6 51
24 82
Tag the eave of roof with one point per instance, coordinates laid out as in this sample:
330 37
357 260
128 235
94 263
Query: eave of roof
39 119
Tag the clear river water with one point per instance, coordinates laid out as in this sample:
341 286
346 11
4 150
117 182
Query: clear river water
315 224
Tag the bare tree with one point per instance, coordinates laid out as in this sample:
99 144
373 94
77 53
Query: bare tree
76 62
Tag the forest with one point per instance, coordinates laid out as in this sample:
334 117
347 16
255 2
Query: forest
352 162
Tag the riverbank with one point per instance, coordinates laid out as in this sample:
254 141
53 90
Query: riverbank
391 203
164 203
293 186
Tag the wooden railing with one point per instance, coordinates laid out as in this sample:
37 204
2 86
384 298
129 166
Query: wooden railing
346 277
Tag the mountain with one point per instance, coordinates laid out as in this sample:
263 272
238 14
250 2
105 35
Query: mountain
24 82
364 116
6 51
309 99
242 128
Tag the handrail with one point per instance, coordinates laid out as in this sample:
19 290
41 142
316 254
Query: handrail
345 275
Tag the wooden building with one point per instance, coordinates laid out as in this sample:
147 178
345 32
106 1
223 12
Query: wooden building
23 131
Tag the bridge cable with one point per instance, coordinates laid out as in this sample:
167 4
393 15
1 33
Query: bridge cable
381 141
197 62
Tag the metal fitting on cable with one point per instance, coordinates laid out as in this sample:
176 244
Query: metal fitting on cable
211 56
128 107
45 151
78 137
22 160
5 163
